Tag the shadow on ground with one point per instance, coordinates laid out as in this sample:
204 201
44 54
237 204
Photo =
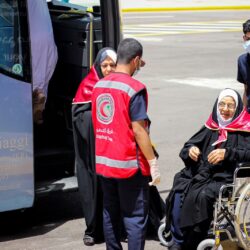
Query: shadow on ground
47 214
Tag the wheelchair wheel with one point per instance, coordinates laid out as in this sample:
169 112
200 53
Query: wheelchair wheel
242 218
208 244
165 239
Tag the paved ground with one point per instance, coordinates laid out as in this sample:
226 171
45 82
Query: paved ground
182 68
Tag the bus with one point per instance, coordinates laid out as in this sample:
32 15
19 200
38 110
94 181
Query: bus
36 160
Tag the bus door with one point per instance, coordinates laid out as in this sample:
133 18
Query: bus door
16 124
111 23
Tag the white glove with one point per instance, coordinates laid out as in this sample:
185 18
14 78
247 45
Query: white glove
155 172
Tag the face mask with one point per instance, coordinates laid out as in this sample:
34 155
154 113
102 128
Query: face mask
246 46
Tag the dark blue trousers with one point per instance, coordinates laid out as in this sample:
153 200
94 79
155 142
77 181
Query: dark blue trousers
175 226
127 201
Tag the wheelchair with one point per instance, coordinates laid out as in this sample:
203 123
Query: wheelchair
231 214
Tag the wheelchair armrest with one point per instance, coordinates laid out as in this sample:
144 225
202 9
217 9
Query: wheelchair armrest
243 170
244 165
241 178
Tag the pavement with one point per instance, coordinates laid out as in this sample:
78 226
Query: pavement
182 5
66 234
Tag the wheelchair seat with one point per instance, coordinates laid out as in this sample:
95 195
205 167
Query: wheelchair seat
233 210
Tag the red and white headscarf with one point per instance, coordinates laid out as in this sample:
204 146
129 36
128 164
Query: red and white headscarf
239 123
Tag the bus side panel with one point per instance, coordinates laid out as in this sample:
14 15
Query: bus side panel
16 144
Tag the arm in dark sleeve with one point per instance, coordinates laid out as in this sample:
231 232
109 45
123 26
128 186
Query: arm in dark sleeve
197 140
241 153
239 74
138 107
242 69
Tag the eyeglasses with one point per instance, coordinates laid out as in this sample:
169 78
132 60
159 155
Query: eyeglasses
228 105
111 65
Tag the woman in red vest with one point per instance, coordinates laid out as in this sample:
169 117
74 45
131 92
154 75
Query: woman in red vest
88 183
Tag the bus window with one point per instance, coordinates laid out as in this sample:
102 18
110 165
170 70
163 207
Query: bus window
14 59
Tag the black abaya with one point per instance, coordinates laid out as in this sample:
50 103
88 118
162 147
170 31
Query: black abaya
206 179
88 183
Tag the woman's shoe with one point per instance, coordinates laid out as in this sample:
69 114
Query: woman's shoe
88 240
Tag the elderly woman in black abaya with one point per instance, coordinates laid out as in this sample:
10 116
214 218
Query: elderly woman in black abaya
88 183
210 158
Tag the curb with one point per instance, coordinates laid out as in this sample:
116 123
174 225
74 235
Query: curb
196 8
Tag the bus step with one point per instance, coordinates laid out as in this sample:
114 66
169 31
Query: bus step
67 184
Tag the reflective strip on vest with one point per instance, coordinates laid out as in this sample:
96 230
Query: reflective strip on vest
115 163
116 85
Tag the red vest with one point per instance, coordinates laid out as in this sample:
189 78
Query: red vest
84 91
117 154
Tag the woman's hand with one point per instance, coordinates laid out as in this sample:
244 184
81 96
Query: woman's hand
216 156
194 153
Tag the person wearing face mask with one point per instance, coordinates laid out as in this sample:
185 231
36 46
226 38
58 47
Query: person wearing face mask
243 75
125 159
84 142
210 156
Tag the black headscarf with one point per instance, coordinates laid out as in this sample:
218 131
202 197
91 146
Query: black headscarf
101 56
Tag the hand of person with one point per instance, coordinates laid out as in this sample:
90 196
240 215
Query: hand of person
155 172
194 153
216 156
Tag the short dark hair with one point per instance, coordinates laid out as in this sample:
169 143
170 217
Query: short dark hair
246 26
128 49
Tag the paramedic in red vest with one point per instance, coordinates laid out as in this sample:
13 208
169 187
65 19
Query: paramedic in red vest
124 156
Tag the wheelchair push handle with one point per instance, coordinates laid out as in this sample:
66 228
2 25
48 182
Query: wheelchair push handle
242 167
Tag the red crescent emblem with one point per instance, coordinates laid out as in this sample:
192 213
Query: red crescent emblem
102 109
